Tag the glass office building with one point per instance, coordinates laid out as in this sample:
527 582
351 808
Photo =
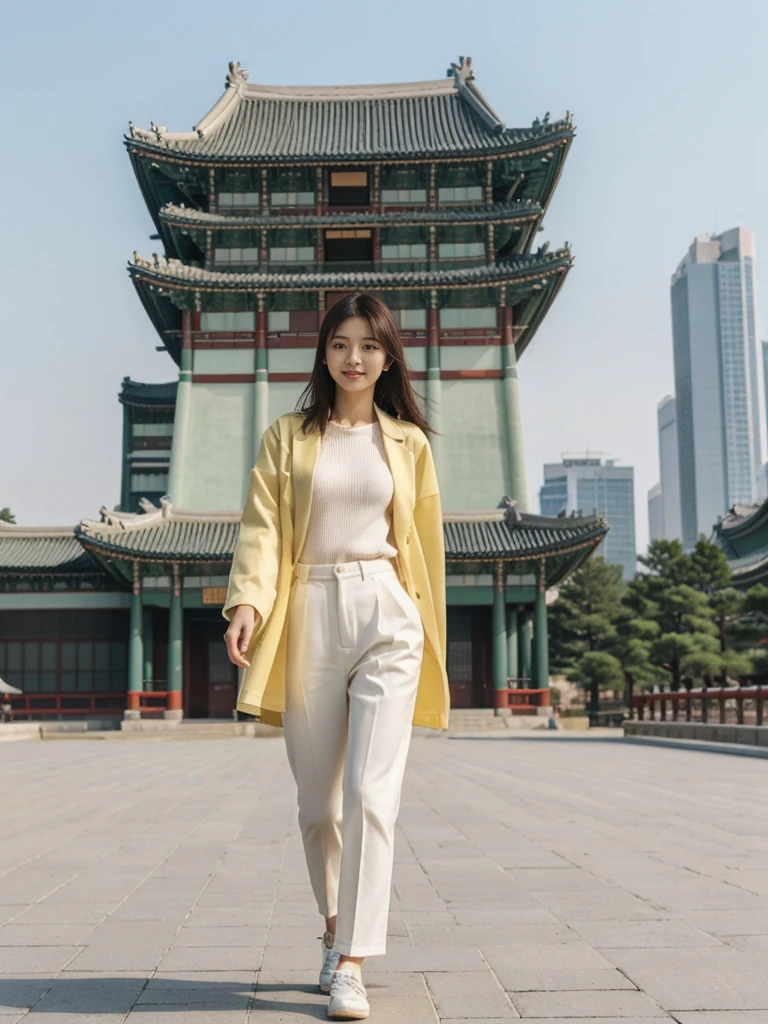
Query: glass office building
584 485
719 382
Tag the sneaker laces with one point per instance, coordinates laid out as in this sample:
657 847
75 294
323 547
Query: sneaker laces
350 979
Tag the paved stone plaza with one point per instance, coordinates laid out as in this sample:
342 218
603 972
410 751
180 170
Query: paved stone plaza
558 878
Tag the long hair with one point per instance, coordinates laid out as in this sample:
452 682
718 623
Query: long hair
392 392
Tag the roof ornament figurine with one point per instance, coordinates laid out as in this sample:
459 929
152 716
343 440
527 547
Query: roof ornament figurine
512 513
237 76
462 70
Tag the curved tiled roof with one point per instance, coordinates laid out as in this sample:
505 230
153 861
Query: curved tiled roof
752 568
162 534
184 216
167 535
42 549
156 396
174 272
743 519
443 116
497 534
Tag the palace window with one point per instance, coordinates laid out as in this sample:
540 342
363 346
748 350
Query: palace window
152 429
404 196
278 320
402 186
404 251
410 319
87 665
149 483
235 257
49 652
292 254
228 322
460 194
292 199
460 250
453 319
239 200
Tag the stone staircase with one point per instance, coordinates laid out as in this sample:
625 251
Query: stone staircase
475 720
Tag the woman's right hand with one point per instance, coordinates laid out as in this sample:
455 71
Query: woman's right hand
238 636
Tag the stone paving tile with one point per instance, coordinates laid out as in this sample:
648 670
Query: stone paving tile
562 956
43 934
580 1004
20 993
113 993
725 922
219 958
748 943
551 870
643 934
549 980
64 913
212 937
67 1018
722 1017
696 979
36 959
469 994
492 934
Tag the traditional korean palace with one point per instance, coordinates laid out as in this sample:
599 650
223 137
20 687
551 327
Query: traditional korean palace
278 202
743 535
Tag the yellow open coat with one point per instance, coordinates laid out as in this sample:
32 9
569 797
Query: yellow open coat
272 532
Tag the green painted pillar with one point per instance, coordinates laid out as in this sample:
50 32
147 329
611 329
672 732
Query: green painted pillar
135 649
500 672
175 645
524 647
433 389
540 637
513 647
178 465
149 633
261 418
514 427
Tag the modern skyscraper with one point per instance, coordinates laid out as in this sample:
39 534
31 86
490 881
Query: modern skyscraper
719 383
669 471
582 485
655 514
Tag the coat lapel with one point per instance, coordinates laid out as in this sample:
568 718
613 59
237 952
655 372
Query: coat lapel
305 449
401 465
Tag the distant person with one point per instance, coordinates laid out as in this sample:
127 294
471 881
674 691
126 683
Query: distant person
553 721
331 600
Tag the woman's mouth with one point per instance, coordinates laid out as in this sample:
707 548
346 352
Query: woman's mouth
352 374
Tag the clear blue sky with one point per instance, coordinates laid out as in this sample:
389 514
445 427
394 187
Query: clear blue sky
671 141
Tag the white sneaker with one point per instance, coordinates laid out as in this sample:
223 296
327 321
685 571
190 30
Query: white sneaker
349 1000
330 961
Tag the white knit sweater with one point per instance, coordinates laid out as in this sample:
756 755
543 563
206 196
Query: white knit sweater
351 510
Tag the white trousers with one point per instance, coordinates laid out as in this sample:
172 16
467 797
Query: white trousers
355 643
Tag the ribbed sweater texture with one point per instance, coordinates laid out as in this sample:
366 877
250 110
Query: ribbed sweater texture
352 488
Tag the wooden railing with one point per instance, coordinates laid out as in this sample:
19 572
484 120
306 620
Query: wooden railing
61 705
727 705
522 701
147 701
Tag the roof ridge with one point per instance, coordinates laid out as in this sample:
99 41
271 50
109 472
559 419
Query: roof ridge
17 531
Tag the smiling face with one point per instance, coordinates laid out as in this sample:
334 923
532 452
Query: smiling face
355 358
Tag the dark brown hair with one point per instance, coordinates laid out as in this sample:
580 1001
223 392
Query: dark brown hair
392 392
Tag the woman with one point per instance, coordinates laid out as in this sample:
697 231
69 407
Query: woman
336 605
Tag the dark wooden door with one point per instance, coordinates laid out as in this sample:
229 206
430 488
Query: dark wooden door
459 660
222 681
212 688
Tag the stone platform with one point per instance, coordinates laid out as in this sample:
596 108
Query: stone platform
555 878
